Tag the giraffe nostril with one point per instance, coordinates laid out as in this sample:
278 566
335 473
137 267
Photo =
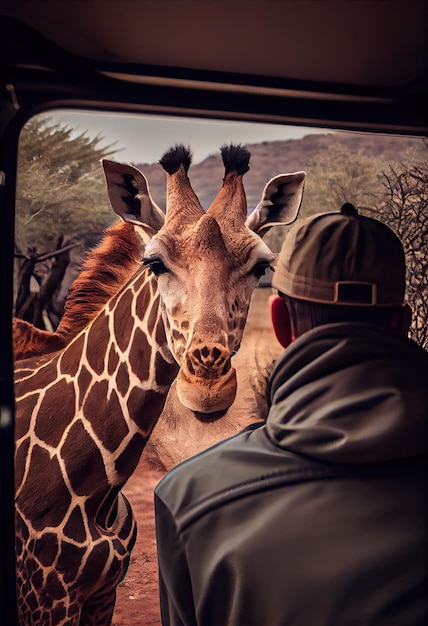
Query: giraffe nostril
216 354
205 351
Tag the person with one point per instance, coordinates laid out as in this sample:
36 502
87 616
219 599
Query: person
319 516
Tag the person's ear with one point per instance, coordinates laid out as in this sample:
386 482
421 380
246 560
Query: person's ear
402 319
281 322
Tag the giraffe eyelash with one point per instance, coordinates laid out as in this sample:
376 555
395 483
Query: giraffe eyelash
261 268
156 265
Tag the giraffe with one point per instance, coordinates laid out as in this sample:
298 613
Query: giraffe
114 260
85 411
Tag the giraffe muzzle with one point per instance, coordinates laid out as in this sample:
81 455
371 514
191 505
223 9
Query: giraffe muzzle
207 395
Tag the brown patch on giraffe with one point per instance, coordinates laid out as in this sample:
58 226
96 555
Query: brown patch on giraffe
70 359
109 426
45 509
37 616
56 589
164 375
69 556
44 375
113 360
59 610
84 461
161 335
122 312
84 380
127 462
25 407
22 370
48 428
96 338
122 379
75 528
136 401
46 549
125 531
138 354
142 303
94 565
95 401
153 315
20 456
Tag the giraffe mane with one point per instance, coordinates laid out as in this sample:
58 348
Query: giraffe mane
106 268
176 156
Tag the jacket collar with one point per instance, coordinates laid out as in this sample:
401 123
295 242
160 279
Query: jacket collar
350 393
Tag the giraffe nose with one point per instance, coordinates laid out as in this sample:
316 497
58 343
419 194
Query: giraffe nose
212 360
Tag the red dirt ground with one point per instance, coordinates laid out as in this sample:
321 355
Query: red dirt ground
137 596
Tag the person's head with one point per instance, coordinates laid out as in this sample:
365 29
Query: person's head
339 267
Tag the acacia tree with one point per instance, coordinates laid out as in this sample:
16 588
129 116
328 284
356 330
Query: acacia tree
339 174
60 201
405 210
336 174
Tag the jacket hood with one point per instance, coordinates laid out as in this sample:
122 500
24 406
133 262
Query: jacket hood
350 394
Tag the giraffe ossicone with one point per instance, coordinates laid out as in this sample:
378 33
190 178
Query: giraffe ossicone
85 412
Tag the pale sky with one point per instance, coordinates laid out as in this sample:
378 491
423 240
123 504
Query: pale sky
144 138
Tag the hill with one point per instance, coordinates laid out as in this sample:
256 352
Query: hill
270 158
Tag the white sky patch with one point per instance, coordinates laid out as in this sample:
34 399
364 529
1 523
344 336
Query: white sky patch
144 138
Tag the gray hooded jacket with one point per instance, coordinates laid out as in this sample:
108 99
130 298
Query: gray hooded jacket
319 517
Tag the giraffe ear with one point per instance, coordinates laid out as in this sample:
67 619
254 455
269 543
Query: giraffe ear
129 195
279 204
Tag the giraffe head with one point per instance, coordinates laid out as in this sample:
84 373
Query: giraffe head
207 264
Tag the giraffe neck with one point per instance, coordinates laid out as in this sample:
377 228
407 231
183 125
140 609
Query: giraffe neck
110 384
83 417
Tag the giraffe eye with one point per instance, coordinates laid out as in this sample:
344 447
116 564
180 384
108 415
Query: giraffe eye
260 268
156 265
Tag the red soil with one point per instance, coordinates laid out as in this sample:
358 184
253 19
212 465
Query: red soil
137 596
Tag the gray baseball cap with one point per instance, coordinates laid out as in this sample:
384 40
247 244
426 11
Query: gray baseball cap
342 258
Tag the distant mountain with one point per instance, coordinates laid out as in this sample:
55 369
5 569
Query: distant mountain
270 158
